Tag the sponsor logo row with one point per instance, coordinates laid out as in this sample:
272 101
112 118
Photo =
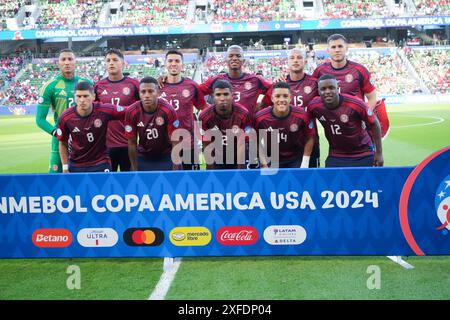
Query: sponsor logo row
179 236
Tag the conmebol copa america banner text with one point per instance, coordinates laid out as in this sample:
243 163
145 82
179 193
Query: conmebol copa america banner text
366 211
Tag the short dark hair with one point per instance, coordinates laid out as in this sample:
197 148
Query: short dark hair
66 50
326 77
149 80
222 84
281 85
336 36
84 85
117 52
173 51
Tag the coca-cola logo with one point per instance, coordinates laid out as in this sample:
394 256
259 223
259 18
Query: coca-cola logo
237 235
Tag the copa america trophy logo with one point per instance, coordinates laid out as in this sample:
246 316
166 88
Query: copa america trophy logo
442 203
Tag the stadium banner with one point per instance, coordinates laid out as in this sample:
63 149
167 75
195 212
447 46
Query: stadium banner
227 27
358 211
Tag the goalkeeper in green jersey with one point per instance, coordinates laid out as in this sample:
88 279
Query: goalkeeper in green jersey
57 94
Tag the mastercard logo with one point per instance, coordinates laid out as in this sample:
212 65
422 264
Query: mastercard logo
143 237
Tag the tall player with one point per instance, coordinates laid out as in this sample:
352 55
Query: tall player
183 94
57 94
303 89
246 87
341 116
117 89
149 124
295 130
231 120
86 124
353 78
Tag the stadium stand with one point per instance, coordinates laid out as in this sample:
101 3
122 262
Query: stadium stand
432 7
252 10
337 9
433 66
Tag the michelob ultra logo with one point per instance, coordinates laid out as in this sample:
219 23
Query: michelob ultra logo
97 237
190 236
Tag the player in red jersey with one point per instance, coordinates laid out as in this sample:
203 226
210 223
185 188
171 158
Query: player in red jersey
246 87
303 89
294 127
344 119
152 121
86 124
353 78
183 94
230 120
117 90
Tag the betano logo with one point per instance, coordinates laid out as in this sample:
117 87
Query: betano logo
190 236
52 238
285 235
145 237
97 237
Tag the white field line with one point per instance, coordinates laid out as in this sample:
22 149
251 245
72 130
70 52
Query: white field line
171 266
438 120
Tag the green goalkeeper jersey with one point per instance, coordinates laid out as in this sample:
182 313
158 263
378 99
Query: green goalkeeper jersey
57 94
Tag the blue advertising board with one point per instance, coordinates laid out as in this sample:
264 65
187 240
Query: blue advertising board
357 211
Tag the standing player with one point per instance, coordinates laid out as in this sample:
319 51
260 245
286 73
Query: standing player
303 89
57 94
294 127
183 94
246 87
86 124
231 120
353 78
151 120
117 89
342 118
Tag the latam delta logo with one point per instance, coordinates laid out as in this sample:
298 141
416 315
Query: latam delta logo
52 238
442 203
97 237
285 235
237 235
143 237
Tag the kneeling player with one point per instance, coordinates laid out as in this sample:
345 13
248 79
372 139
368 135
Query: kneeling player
295 131
230 120
152 121
86 124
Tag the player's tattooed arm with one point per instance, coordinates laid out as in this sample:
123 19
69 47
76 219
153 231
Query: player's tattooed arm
132 153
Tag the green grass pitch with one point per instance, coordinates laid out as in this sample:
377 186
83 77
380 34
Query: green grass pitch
416 132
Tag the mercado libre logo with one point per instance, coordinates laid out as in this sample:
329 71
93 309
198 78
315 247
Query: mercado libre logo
441 210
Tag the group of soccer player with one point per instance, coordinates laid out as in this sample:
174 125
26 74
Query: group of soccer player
120 123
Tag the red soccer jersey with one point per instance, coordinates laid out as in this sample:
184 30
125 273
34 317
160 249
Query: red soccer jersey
353 78
88 144
293 130
153 129
302 91
246 88
119 93
183 96
239 119
344 127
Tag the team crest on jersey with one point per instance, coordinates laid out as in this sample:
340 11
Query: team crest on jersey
185 93
126 91
41 100
247 85
293 127
307 89
348 78
98 123
58 132
344 118
160 121
128 128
